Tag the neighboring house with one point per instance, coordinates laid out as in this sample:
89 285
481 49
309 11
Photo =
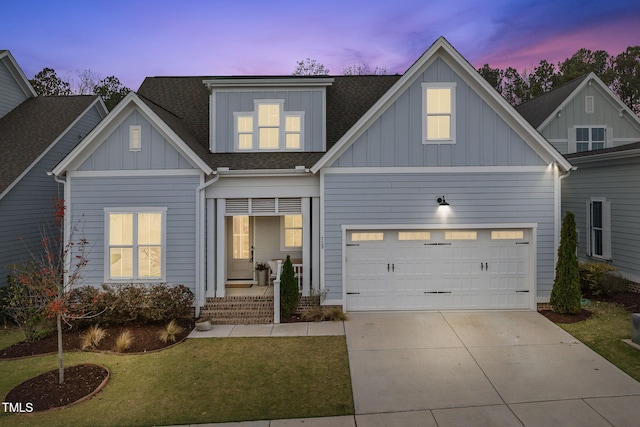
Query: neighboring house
421 191
600 136
35 134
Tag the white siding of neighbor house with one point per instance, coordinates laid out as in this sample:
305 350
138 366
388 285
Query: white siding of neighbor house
606 113
483 138
401 198
619 182
90 195
114 154
309 101
11 95
28 206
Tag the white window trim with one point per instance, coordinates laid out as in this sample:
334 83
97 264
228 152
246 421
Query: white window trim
163 244
283 242
452 86
256 127
573 142
606 229
132 130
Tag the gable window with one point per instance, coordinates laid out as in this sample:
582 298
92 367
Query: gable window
590 138
135 143
589 105
134 243
438 123
269 127
292 231
599 228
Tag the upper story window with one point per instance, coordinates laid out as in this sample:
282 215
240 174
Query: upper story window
438 124
590 138
135 143
269 127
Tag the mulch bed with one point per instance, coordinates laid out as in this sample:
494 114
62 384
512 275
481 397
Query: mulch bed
44 392
629 300
145 338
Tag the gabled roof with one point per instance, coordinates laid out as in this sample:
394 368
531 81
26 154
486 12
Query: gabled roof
539 109
18 74
165 122
32 128
183 103
442 48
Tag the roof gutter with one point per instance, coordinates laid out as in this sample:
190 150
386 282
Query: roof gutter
299 170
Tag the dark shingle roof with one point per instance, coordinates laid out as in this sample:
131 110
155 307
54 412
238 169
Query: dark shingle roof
27 130
620 148
538 109
183 104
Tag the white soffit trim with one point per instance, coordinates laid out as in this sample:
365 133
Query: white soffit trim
542 147
130 102
435 169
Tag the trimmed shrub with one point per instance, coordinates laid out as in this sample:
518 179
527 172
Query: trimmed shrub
289 292
137 303
600 279
25 305
565 296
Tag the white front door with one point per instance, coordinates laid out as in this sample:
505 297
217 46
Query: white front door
240 247
437 269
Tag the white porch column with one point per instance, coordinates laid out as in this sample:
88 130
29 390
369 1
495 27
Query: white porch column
306 245
315 238
220 247
211 247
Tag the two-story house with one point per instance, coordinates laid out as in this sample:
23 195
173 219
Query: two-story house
35 134
421 191
600 136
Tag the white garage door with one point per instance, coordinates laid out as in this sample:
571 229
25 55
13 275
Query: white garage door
438 269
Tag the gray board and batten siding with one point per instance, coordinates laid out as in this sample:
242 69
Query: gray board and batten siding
90 195
514 184
11 94
619 182
309 101
410 199
27 208
155 153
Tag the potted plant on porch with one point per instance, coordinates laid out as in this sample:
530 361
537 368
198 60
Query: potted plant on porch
262 269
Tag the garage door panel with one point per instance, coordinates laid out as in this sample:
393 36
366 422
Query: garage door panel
466 269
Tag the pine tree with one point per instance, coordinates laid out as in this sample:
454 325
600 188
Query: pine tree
289 294
565 296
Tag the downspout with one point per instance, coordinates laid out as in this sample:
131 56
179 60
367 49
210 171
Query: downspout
201 239
558 212
67 220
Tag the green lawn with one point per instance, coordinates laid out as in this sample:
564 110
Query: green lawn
203 380
604 333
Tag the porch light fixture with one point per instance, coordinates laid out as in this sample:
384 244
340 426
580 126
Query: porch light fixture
442 201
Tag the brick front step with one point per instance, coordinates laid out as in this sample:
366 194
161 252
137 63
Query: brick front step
241 310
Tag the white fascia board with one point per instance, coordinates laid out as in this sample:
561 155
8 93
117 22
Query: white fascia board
130 102
97 103
434 169
542 146
268 82
614 155
18 74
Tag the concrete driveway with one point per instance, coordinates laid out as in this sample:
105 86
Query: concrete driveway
481 368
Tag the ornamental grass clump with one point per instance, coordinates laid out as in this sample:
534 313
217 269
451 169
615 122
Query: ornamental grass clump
92 338
169 332
565 296
124 341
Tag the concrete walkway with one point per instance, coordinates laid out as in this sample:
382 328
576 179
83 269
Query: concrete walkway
484 368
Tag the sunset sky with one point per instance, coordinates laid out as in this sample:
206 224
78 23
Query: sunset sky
134 39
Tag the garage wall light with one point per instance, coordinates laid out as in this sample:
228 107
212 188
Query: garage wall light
442 201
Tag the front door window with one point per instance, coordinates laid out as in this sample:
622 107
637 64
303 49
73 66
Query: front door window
241 237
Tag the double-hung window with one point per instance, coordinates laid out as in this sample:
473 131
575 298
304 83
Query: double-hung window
438 122
292 231
269 127
135 242
590 138
599 228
